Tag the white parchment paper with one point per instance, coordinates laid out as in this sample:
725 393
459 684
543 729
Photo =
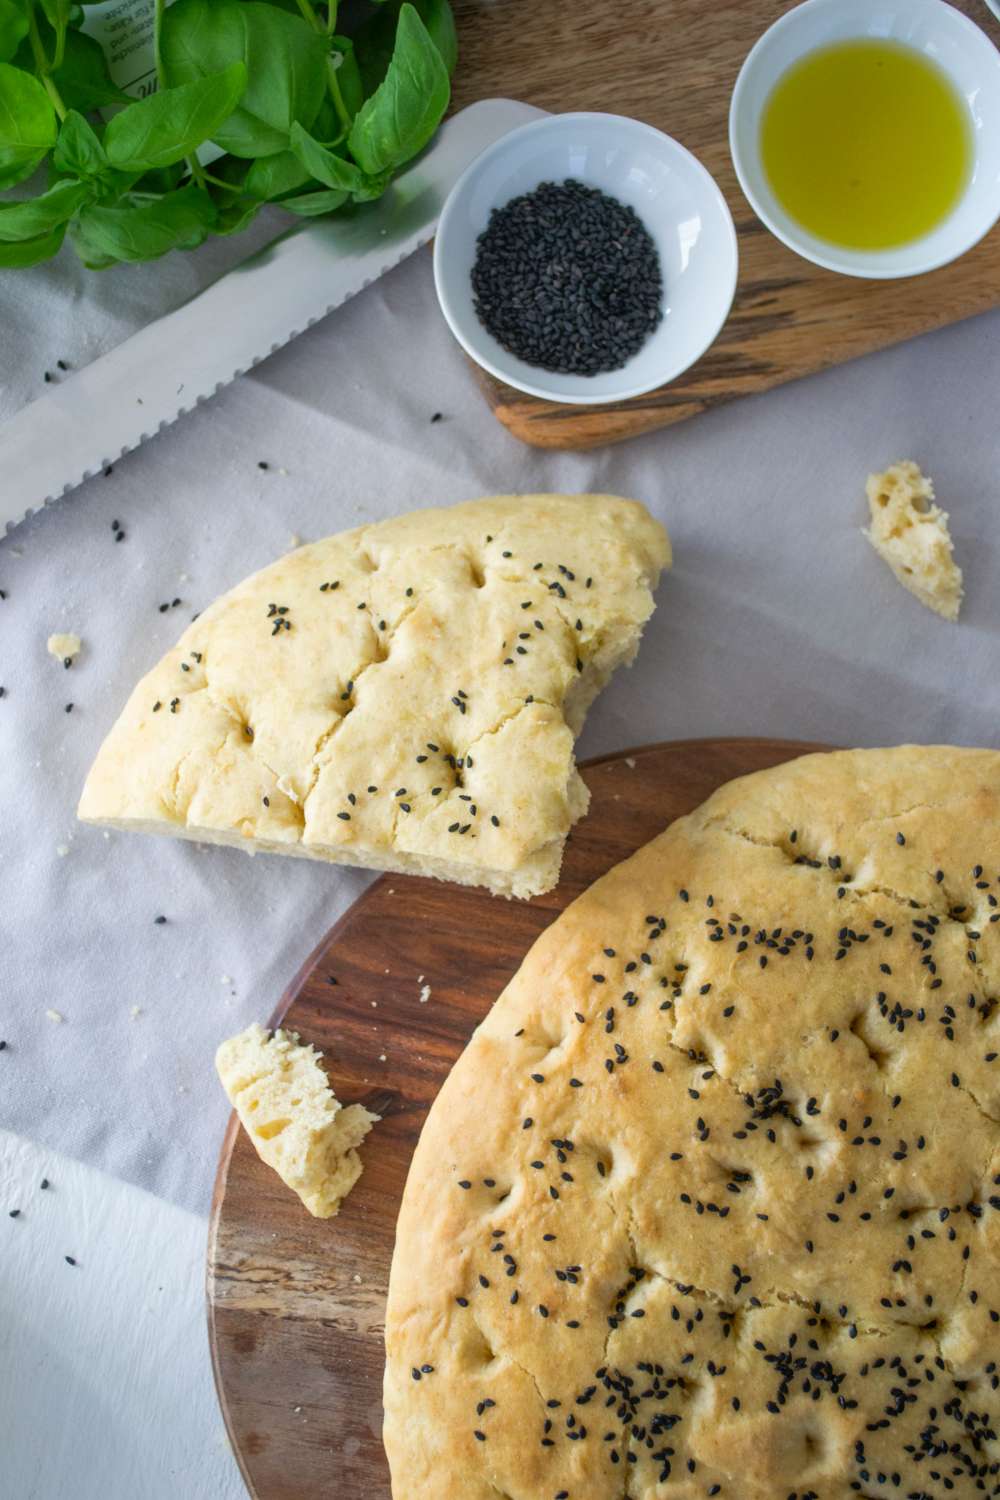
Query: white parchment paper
778 619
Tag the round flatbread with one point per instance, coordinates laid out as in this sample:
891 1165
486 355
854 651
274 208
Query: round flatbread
710 1205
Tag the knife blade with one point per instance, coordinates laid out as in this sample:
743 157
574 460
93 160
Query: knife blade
183 358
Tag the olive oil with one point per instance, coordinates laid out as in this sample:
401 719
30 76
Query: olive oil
866 144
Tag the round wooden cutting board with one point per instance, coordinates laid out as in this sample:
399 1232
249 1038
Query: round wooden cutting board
391 995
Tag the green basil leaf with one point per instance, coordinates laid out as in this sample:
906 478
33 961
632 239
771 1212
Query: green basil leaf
406 108
158 180
170 124
27 124
93 258
439 19
371 187
332 170
274 176
82 77
327 126
236 216
13 27
352 90
375 38
143 229
284 57
78 149
31 218
310 205
30 252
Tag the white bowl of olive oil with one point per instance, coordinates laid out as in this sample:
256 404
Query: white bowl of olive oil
866 134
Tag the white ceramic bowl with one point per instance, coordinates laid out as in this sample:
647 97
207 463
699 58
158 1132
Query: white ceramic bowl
671 192
946 37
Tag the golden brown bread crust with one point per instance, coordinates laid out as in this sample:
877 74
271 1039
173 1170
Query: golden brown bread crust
709 1205
402 696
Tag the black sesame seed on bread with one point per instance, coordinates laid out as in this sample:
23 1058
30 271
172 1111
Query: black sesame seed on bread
710 1205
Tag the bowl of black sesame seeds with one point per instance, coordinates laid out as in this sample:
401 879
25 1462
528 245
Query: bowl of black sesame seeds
585 258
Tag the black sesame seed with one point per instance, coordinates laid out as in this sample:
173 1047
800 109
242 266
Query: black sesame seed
569 279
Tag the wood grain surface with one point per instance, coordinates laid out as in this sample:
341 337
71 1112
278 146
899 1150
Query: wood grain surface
673 63
296 1305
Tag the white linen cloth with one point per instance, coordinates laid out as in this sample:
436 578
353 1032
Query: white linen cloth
778 619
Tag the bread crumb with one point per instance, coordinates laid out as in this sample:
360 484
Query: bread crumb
62 850
135 1012
56 1016
225 979
64 646
294 541
425 994
357 1278
910 533
382 1057
630 762
295 1122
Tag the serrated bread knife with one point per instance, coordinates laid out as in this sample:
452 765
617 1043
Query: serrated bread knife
108 408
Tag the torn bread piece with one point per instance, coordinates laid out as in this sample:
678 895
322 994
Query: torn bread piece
911 534
297 1125
64 646
403 697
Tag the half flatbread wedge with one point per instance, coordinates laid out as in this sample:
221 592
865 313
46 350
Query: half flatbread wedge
404 696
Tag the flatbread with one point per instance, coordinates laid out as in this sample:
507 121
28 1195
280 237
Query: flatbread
709 1205
403 696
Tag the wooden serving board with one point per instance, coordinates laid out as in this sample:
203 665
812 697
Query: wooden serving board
295 1304
673 63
